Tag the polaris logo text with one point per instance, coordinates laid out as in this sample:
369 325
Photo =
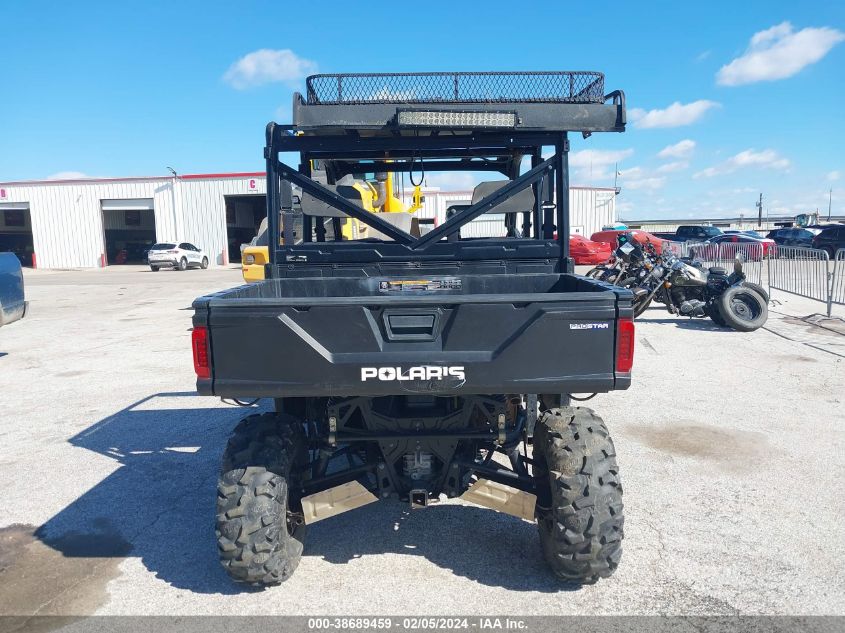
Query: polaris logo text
388 374
589 326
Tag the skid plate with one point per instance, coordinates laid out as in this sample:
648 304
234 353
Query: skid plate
334 501
502 498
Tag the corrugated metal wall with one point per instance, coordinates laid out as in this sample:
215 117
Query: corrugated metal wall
67 217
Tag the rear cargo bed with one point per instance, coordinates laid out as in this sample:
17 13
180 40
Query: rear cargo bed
478 334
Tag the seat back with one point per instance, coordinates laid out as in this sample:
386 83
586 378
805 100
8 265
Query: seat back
520 202
312 206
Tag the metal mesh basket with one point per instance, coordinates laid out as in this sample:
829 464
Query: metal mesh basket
492 87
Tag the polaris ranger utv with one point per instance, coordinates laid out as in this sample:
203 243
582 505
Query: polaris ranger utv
411 364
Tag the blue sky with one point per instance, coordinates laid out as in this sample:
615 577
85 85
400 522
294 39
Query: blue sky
739 97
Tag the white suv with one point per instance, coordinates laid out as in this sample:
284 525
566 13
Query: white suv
181 256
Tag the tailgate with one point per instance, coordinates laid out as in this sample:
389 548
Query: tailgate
397 345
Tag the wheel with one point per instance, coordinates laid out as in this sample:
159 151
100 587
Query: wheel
831 252
594 273
579 496
743 309
154 269
640 303
758 289
260 528
204 264
183 264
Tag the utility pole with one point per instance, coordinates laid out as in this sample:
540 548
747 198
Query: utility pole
760 211
829 200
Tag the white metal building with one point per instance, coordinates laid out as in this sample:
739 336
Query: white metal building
97 222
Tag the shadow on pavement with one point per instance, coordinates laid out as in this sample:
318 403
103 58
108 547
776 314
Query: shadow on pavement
687 323
159 506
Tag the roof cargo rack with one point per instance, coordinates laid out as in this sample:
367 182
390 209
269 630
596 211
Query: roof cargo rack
463 87
418 104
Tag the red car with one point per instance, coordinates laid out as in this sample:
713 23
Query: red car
643 237
589 253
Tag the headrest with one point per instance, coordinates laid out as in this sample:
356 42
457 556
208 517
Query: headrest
312 206
517 203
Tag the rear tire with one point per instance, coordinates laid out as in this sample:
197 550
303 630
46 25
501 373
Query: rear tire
758 289
743 309
260 529
154 269
204 264
579 495
183 264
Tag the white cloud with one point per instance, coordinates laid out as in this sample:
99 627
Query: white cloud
651 183
833 175
638 178
596 164
702 56
675 115
767 159
68 175
681 149
267 66
667 168
778 53
455 180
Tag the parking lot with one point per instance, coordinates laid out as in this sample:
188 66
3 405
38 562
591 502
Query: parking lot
731 448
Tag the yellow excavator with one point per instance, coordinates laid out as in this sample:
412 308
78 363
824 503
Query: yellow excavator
376 196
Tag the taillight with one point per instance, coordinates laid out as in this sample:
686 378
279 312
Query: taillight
199 343
172 252
625 346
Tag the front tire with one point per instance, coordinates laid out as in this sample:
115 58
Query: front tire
260 528
154 269
640 303
743 309
204 264
579 495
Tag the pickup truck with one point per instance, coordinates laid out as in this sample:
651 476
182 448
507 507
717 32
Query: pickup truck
13 304
411 366
690 233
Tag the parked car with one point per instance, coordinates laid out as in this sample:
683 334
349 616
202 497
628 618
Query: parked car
643 237
741 238
738 232
691 233
13 303
180 256
794 236
830 239
588 252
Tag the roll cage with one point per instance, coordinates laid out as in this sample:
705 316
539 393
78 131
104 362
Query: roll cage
364 123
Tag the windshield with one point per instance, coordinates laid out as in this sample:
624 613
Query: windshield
162 247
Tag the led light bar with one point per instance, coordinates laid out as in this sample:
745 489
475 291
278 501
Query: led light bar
447 119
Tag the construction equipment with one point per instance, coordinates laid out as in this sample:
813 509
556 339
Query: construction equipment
378 195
